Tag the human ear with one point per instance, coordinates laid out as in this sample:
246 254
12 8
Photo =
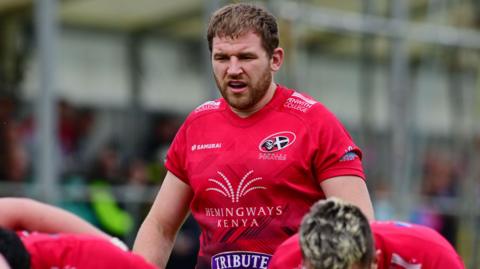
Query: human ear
374 265
277 59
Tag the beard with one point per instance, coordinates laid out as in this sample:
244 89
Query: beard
247 100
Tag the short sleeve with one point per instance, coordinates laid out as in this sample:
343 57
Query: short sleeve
175 161
337 154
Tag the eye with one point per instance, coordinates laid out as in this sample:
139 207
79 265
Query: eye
220 57
247 57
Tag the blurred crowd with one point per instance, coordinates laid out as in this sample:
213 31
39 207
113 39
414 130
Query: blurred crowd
92 181
443 172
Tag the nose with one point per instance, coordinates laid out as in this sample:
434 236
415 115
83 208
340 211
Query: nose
234 67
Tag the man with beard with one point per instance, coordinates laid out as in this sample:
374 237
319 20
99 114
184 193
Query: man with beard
249 165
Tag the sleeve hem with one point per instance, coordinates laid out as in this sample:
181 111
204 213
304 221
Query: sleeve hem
338 172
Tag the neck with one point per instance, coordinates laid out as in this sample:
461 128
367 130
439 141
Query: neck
263 102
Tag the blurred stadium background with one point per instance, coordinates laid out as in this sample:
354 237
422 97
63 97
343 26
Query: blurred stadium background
93 91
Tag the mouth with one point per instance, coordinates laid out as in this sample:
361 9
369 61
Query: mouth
237 86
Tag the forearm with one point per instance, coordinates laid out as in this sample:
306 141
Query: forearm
350 189
28 214
361 198
157 234
153 243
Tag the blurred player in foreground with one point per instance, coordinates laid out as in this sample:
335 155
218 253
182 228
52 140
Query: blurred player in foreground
39 236
336 235
3 263
249 165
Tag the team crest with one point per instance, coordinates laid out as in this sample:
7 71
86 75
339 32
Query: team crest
277 141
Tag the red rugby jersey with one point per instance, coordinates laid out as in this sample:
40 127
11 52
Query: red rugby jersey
73 251
254 178
288 255
410 246
402 246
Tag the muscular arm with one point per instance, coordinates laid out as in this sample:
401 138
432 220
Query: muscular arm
156 236
28 214
351 189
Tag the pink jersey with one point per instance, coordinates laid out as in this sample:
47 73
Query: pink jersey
253 179
402 246
409 246
68 251
288 255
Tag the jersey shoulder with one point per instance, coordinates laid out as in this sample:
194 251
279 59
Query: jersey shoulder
303 105
307 109
409 234
207 108
414 245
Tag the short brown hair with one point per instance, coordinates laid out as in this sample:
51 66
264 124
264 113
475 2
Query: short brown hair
335 234
235 20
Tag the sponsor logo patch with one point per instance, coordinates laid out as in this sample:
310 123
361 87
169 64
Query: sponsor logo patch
349 155
299 102
240 260
277 141
226 189
272 156
235 212
206 146
210 105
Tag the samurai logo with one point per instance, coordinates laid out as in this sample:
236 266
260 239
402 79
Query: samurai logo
225 188
277 141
